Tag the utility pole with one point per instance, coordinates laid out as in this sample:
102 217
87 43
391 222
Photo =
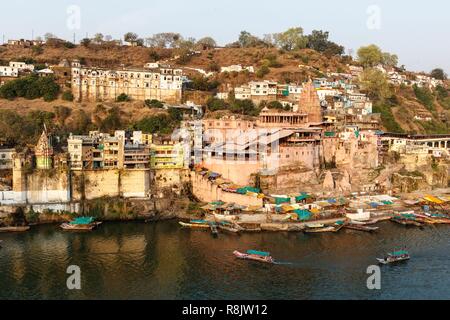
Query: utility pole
74 38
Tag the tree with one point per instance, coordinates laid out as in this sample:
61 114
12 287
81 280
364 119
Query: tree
123 98
318 40
85 42
375 83
130 37
263 71
206 43
247 40
163 40
98 38
62 113
49 36
370 56
292 39
439 74
390 60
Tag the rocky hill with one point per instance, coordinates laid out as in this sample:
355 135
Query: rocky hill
398 114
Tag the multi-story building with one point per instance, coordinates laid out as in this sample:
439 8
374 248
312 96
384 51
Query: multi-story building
6 158
169 155
103 151
99 84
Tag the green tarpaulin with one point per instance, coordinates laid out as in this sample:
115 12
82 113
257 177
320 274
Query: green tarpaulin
244 190
303 215
259 253
82 221
279 201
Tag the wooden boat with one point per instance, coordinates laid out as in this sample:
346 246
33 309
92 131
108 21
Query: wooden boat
394 257
77 227
222 217
358 227
194 225
15 229
335 228
81 224
406 222
315 225
255 256
229 228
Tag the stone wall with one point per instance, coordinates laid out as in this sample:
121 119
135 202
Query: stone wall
206 191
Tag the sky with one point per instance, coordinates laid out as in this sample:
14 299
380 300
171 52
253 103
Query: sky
417 31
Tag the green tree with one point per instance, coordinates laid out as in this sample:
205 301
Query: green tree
130 37
390 60
123 98
215 104
370 56
206 43
318 40
375 83
439 74
292 39
262 71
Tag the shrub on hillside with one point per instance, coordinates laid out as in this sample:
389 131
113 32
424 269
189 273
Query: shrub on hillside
123 98
67 96
31 87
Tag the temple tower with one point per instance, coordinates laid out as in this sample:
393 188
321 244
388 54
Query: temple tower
310 103
44 152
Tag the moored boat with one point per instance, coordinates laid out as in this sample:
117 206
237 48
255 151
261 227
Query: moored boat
259 256
315 229
194 225
359 227
394 257
81 224
229 228
15 229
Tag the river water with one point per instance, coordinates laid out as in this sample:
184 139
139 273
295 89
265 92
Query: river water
163 261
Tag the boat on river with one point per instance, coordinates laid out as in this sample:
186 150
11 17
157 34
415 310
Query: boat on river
254 255
394 257
229 228
359 227
81 224
334 228
15 229
194 225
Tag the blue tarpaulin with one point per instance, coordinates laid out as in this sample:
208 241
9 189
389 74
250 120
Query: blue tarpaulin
303 215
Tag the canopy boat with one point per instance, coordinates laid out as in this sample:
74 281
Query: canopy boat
360 216
254 255
194 225
397 256
81 224
15 229
407 221
315 225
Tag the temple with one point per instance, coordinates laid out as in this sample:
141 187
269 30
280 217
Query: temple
310 103
44 152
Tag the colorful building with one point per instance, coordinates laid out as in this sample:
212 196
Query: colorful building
44 152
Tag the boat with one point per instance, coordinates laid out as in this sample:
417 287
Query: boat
315 225
359 227
194 225
229 228
406 222
394 257
81 224
250 227
334 228
223 217
15 229
255 256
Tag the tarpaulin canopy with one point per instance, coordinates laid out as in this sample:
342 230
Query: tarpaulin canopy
83 221
244 190
282 200
433 199
259 253
303 215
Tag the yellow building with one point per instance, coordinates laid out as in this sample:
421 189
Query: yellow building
167 156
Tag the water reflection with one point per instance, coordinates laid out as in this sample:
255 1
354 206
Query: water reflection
162 261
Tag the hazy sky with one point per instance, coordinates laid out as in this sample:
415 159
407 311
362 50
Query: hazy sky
418 31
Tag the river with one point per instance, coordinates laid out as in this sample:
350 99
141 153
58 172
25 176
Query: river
162 261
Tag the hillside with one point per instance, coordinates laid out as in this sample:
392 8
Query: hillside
294 66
